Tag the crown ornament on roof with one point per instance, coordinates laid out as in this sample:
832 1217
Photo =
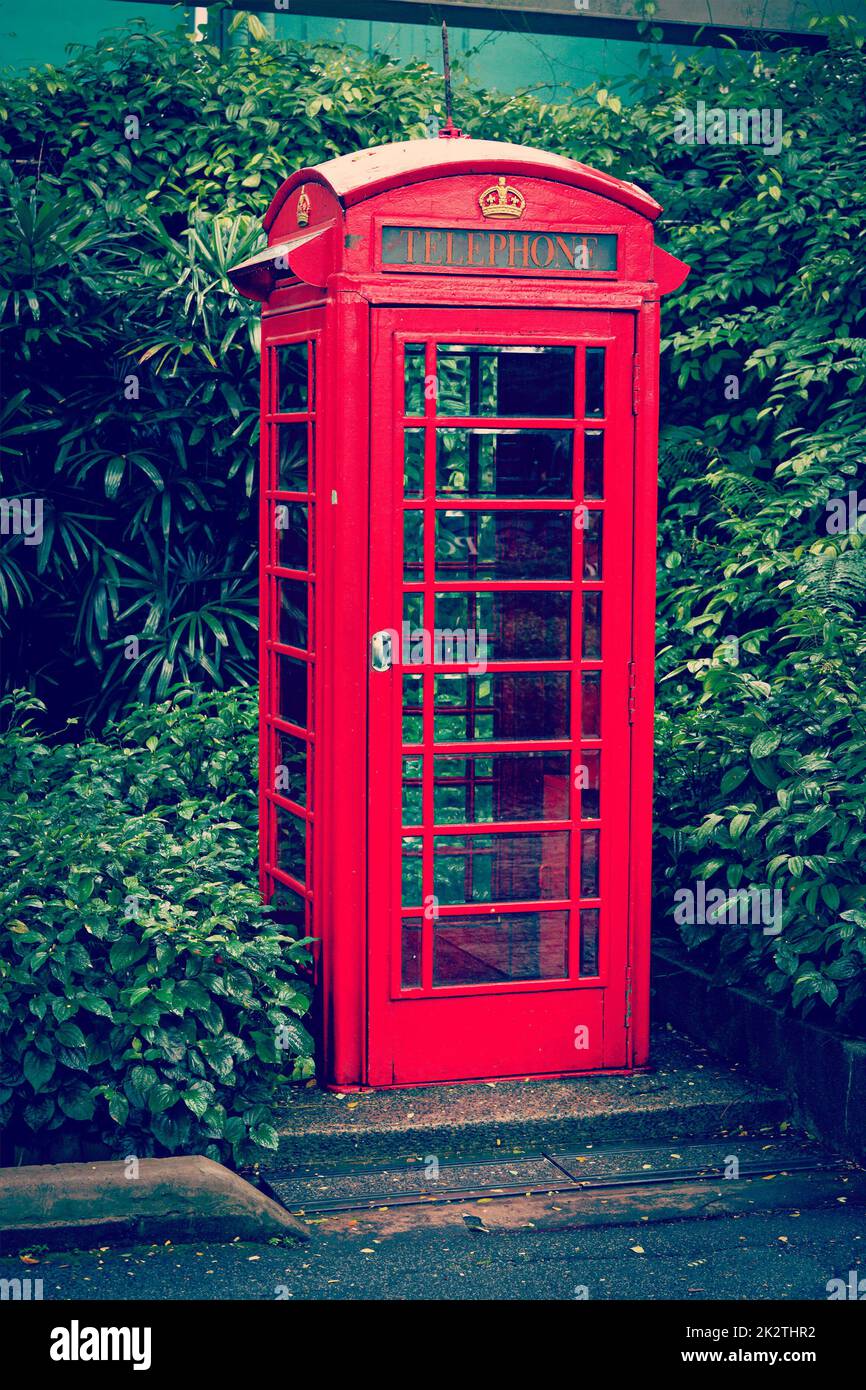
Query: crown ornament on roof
502 200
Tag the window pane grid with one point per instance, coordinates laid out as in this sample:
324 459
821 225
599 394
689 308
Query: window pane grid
452 507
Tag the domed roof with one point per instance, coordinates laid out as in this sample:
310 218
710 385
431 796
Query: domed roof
363 173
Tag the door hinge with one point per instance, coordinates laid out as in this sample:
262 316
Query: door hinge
635 384
632 693
628 996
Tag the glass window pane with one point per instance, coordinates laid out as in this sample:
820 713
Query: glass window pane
502 705
413 463
414 646
413 545
500 787
413 377
594 381
591 624
292 473
589 848
413 724
592 545
412 802
589 782
504 463
293 595
500 868
290 773
593 464
503 545
486 949
410 976
292 369
528 626
412 867
589 941
291 844
529 381
292 682
591 704
290 535
291 910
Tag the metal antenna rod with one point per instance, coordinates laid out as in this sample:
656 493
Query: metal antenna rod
446 71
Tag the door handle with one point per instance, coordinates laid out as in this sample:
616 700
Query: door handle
381 654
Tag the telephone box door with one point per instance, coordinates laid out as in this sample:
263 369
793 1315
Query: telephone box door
502 462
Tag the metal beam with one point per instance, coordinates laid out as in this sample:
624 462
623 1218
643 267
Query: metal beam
750 23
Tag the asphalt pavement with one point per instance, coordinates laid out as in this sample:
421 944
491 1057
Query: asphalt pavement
782 1255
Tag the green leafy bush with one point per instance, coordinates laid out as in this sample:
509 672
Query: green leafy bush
148 1003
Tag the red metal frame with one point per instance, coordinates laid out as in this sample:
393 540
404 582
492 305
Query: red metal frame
436 1033
357 314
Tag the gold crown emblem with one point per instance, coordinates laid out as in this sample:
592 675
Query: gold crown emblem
303 208
502 200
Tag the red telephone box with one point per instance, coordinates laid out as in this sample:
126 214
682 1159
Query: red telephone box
458 477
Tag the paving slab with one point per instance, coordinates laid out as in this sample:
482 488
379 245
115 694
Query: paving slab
686 1094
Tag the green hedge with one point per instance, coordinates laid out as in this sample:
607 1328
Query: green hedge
148 1003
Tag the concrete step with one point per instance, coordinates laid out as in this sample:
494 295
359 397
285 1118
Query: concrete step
686 1095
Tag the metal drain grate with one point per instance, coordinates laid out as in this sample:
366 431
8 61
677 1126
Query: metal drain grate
415 1181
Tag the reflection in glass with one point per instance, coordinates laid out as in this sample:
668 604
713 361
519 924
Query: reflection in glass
293 595
594 381
489 948
291 913
591 624
292 679
589 840
291 844
290 773
500 787
589 917
290 535
517 381
413 463
292 370
504 463
590 783
410 974
501 705
517 626
592 545
500 868
593 464
412 800
591 704
413 379
414 650
412 866
503 545
413 545
292 457
413 721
